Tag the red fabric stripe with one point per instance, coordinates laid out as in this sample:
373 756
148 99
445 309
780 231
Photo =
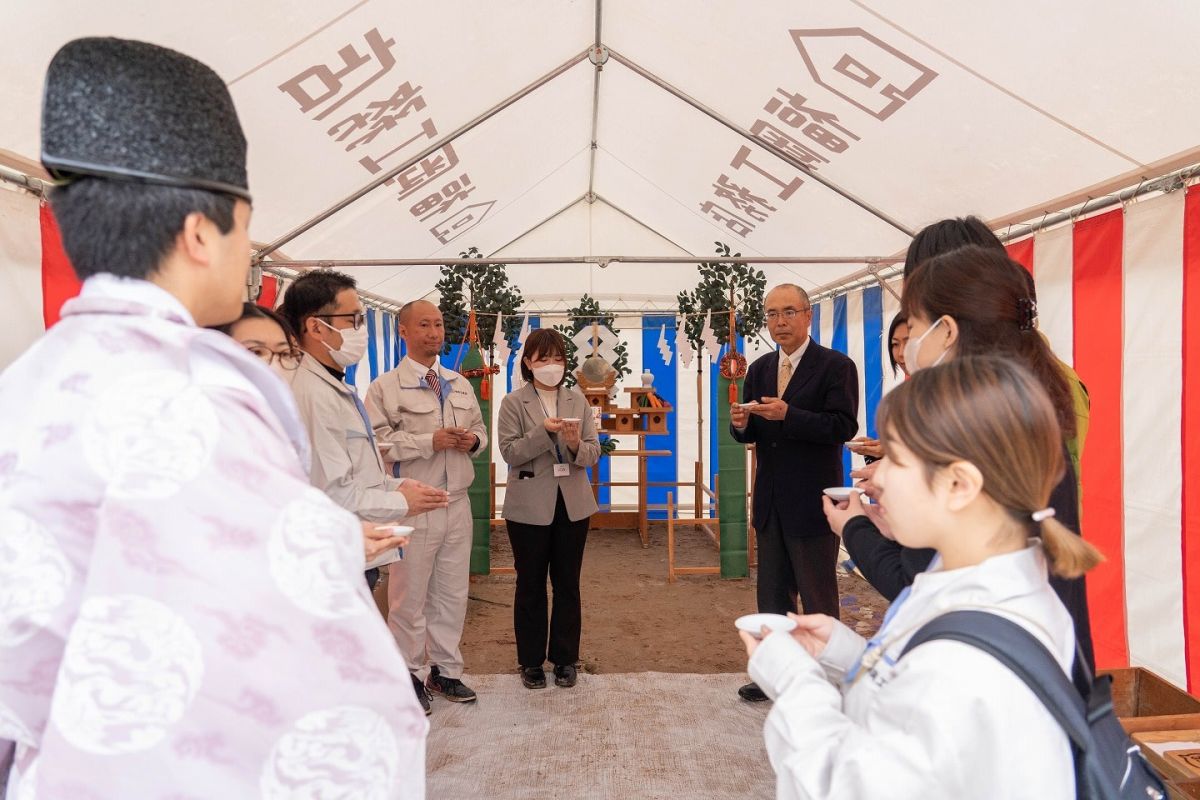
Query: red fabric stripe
1098 295
1022 253
59 283
1191 436
270 289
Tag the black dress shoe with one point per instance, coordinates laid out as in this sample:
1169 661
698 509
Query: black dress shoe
422 695
533 677
751 693
565 675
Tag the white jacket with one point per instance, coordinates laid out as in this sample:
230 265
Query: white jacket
405 413
947 721
345 463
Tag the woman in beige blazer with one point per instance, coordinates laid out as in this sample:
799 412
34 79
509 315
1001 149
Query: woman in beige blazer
548 439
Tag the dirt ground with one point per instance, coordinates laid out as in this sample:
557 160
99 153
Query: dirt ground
633 620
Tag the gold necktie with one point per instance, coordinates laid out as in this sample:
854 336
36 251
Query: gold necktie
785 372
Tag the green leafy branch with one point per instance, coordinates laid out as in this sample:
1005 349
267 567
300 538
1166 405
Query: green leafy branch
489 288
712 294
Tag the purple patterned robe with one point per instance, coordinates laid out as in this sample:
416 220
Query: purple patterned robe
181 614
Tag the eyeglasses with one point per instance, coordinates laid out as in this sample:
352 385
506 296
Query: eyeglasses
357 317
288 359
787 314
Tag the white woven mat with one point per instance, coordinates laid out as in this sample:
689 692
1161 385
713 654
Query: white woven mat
647 735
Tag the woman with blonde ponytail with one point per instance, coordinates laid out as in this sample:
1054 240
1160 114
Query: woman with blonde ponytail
973 452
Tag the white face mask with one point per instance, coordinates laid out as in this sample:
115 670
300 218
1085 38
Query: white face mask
549 374
914 347
354 344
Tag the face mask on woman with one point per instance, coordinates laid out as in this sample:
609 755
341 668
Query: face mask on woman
914 347
549 374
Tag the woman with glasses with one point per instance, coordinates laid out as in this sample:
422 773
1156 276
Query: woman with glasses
268 336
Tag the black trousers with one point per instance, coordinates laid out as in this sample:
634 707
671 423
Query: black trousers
555 550
793 565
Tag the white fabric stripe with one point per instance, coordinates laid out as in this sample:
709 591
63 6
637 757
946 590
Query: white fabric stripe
856 349
1152 419
499 390
625 468
891 307
706 406
685 420
1053 272
826 323
20 272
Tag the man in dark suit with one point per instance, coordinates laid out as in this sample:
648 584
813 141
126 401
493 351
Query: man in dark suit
806 407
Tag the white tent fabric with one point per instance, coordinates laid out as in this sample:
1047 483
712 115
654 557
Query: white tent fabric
920 109
20 271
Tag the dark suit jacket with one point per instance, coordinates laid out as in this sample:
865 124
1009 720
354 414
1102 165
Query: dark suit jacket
800 455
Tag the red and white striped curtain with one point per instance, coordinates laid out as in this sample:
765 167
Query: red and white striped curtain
1118 296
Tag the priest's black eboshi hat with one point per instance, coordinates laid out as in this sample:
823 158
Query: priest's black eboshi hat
126 110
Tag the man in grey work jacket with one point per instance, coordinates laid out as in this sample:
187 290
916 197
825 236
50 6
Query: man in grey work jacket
323 307
431 419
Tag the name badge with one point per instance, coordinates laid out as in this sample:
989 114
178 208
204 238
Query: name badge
562 470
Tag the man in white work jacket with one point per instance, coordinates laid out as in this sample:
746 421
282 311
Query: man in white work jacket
324 308
431 419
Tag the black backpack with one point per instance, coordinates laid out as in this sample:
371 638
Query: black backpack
1108 765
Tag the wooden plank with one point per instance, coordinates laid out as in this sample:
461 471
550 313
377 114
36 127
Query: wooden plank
1138 692
615 519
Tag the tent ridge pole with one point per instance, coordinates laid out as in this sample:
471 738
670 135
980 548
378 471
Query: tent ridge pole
598 57
770 148
387 176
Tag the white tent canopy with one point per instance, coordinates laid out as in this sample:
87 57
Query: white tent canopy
918 110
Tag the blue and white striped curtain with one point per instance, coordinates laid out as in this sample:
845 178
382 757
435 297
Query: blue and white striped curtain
856 324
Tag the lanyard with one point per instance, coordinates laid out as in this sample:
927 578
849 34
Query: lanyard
362 412
557 452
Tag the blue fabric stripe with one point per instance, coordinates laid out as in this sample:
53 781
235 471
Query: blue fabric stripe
513 367
839 343
399 343
873 358
815 333
372 345
666 386
453 359
387 343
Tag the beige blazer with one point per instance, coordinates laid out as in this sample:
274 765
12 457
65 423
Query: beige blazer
528 449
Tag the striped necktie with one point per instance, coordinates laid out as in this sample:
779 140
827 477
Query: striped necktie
431 378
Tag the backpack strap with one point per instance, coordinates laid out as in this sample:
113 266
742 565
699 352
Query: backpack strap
1025 656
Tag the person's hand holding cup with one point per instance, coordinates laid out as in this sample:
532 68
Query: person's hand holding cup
739 415
570 431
